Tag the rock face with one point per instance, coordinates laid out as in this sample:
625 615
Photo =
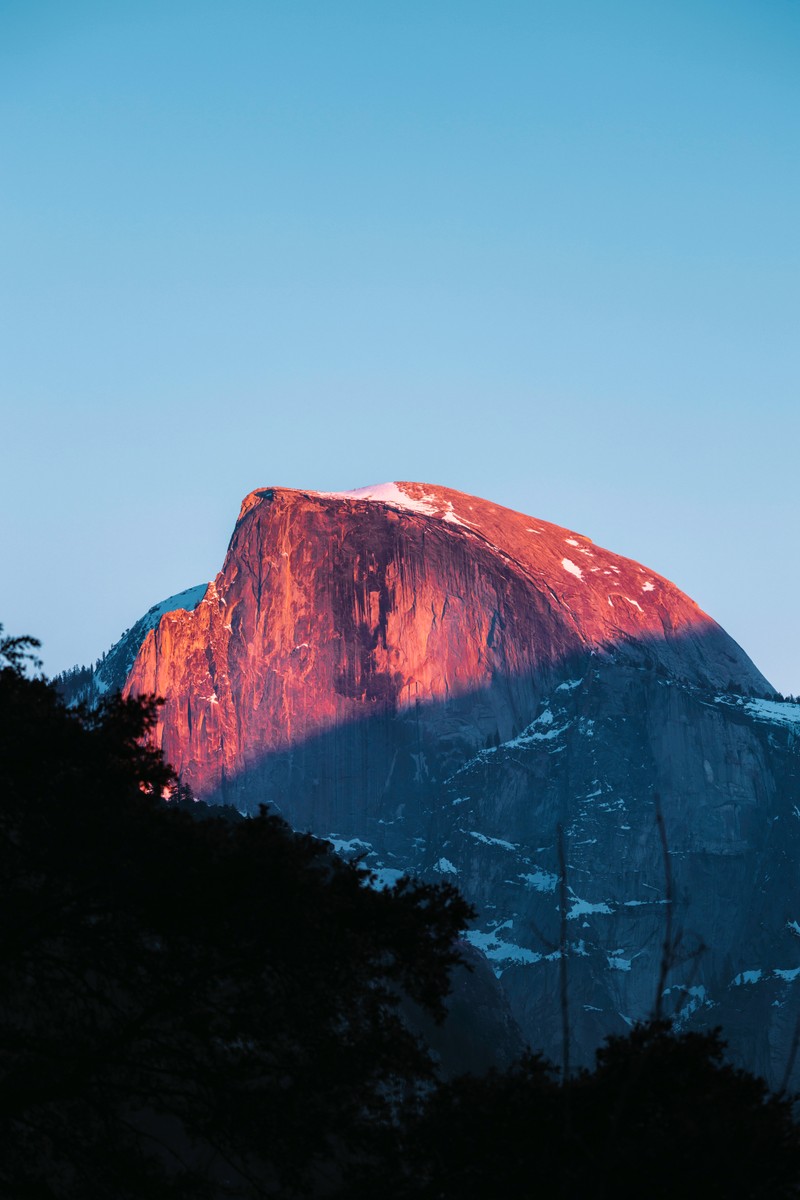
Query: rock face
439 684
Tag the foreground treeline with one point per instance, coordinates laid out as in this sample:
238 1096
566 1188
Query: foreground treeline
218 1008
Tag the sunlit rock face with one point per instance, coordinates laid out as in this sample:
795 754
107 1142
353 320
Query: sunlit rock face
437 684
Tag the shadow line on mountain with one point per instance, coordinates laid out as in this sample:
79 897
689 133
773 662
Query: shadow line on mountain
367 765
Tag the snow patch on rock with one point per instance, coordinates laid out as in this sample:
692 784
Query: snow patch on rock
585 908
775 712
384 877
445 867
498 950
569 685
541 881
491 841
788 976
746 977
427 504
573 569
617 963
387 493
353 846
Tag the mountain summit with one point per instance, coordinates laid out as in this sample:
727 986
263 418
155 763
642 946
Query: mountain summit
335 607
438 684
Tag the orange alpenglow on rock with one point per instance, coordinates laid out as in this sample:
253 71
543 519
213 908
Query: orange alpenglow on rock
331 607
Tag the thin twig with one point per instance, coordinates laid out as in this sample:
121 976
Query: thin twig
562 961
787 1074
694 957
668 947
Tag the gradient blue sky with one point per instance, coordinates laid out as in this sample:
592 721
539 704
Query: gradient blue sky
543 252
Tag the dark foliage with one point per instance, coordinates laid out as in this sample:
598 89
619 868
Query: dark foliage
75 684
211 1008
188 1008
661 1116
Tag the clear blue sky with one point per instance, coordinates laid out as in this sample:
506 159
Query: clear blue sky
544 252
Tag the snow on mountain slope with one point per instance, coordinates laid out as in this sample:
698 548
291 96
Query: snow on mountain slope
88 685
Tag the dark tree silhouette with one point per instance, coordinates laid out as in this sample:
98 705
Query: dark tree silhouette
661 1115
188 1008
212 1008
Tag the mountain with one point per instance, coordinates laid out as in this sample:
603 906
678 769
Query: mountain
109 674
440 685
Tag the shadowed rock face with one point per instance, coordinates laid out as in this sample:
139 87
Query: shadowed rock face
437 683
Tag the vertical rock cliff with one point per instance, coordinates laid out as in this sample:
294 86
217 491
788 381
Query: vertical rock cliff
438 683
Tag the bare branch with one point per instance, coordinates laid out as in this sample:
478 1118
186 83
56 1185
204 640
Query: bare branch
668 946
563 949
